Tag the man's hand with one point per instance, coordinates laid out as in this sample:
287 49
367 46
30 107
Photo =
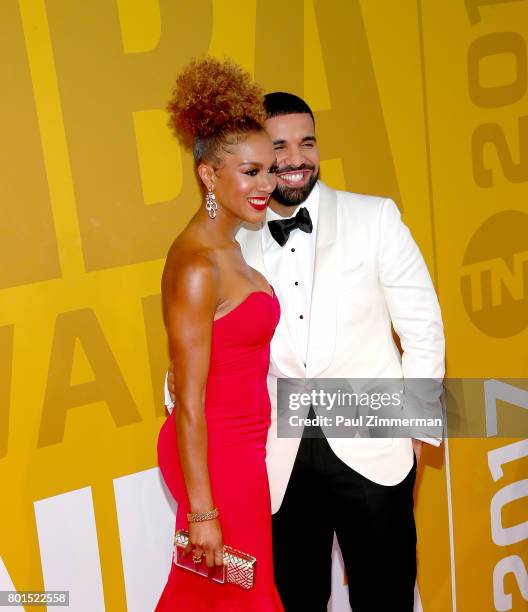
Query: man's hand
417 446
171 380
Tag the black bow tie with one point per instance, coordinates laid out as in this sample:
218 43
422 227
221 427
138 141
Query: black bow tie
281 228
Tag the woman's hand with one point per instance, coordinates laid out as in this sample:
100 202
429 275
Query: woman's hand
206 537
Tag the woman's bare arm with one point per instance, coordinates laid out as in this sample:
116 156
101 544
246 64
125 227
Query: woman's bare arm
190 297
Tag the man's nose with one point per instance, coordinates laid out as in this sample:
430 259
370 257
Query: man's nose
294 157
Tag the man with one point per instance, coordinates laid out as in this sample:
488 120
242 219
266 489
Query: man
344 268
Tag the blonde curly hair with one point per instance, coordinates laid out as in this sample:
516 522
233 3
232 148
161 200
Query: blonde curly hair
214 103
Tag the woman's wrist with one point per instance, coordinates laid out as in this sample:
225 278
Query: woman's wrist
198 517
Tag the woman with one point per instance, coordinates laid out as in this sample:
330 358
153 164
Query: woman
220 316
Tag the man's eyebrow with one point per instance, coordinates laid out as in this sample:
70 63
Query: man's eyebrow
277 142
309 139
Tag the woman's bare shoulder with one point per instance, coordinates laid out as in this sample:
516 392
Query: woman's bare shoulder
190 269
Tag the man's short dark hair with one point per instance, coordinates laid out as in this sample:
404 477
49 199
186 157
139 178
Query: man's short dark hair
282 103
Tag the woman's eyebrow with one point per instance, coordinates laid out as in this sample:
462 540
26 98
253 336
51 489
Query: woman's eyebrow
251 163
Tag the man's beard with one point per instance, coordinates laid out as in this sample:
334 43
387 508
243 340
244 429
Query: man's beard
292 196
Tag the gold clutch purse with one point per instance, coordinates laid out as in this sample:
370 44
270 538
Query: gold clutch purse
238 567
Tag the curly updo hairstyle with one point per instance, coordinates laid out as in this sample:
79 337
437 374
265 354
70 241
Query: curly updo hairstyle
213 105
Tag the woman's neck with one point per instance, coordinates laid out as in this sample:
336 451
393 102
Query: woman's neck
218 232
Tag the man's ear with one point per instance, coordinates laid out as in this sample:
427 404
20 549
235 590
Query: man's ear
207 175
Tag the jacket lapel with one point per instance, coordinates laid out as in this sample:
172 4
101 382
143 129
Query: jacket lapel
323 314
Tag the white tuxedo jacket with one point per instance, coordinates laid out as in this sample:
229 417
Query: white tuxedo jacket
368 273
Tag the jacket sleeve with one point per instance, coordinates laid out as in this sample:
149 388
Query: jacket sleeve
414 310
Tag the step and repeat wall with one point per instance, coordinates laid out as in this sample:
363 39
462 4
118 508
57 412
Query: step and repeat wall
420 100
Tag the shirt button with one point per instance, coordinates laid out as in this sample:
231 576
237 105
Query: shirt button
293 250
296 283
301 317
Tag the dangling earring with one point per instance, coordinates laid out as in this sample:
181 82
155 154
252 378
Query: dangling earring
210 203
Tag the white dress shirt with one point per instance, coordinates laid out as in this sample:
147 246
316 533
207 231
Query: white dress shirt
290 270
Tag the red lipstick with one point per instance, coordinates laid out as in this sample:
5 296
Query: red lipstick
258 202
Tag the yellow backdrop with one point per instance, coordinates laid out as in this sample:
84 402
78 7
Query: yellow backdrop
420 100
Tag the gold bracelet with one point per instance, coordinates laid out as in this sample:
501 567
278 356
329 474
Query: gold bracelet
197 517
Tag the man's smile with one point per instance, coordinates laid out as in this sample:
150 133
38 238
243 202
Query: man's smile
294 178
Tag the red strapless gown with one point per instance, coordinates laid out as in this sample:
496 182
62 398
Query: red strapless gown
237 410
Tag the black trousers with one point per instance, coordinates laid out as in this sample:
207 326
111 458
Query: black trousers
374 525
